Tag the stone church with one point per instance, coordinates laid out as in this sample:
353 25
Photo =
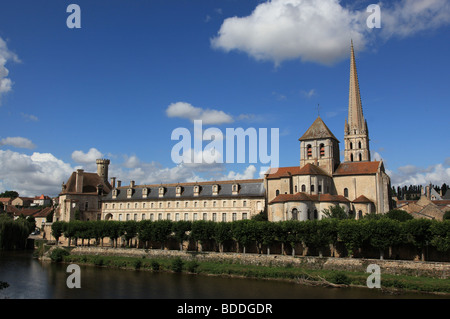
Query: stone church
358 184
302 192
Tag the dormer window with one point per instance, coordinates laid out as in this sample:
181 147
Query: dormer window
215 189
161 191
235 189
129 192
178 191
145 192
114 193
196 190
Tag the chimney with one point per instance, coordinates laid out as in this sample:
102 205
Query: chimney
131 184
79 181
119 183
113 182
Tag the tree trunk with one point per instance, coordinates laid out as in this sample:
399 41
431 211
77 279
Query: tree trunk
381 254
268 250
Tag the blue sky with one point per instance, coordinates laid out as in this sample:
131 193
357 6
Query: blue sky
68 96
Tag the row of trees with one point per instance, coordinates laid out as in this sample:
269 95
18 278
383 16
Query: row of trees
377 233
412 191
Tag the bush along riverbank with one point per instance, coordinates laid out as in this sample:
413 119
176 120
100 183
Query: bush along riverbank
194 263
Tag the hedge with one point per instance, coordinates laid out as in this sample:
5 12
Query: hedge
379 234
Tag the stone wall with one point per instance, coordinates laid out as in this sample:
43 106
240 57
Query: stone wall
412 268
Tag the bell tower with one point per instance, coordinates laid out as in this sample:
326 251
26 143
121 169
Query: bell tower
356 133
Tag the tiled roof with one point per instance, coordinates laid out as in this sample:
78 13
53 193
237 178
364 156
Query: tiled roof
308 169
357 168
317 130
302 197
90 183
247 188
362 199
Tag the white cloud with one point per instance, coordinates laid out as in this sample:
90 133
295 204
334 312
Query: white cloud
40 173
249 173
320 31
86 158
408 17
279 30
188 111
412 175
5 56
19 142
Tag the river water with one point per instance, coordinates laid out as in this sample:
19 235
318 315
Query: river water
30 278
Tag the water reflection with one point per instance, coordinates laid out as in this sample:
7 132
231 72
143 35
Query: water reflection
32 279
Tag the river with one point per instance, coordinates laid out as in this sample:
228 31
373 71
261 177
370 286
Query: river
29 278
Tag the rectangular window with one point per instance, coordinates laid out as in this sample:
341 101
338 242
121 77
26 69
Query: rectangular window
224 217
186 216
244 215
214 217
234 217
205 216
195 216
177 216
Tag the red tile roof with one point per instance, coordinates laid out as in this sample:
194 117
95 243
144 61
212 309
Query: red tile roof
357 168
362 199
308 169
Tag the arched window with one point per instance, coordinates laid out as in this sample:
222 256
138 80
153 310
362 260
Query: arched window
295 188
303 188
359 144
360 157
315 214
346 192
277 192
322 150
309 150
295 214
351 157
351 145
312 188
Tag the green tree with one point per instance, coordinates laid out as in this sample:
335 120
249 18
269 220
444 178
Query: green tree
240 233
418 233
398 214
440 232
145 232
162 230
129 230
222 233
9 194
57 230
336 211
113 230
202 232
353 233
180 230
383 234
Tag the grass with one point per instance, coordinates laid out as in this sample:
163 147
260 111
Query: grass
288 272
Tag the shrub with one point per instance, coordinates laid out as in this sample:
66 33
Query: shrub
192 266
177 265
137 264
58 254
155 265
98 261
340 278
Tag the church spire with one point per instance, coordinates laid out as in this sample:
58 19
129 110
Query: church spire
356 122
356 132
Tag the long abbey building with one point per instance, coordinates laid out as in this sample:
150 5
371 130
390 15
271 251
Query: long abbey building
302 192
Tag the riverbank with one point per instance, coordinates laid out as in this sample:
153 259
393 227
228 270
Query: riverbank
396 276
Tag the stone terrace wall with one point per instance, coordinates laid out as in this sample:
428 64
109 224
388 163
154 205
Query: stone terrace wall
400 267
